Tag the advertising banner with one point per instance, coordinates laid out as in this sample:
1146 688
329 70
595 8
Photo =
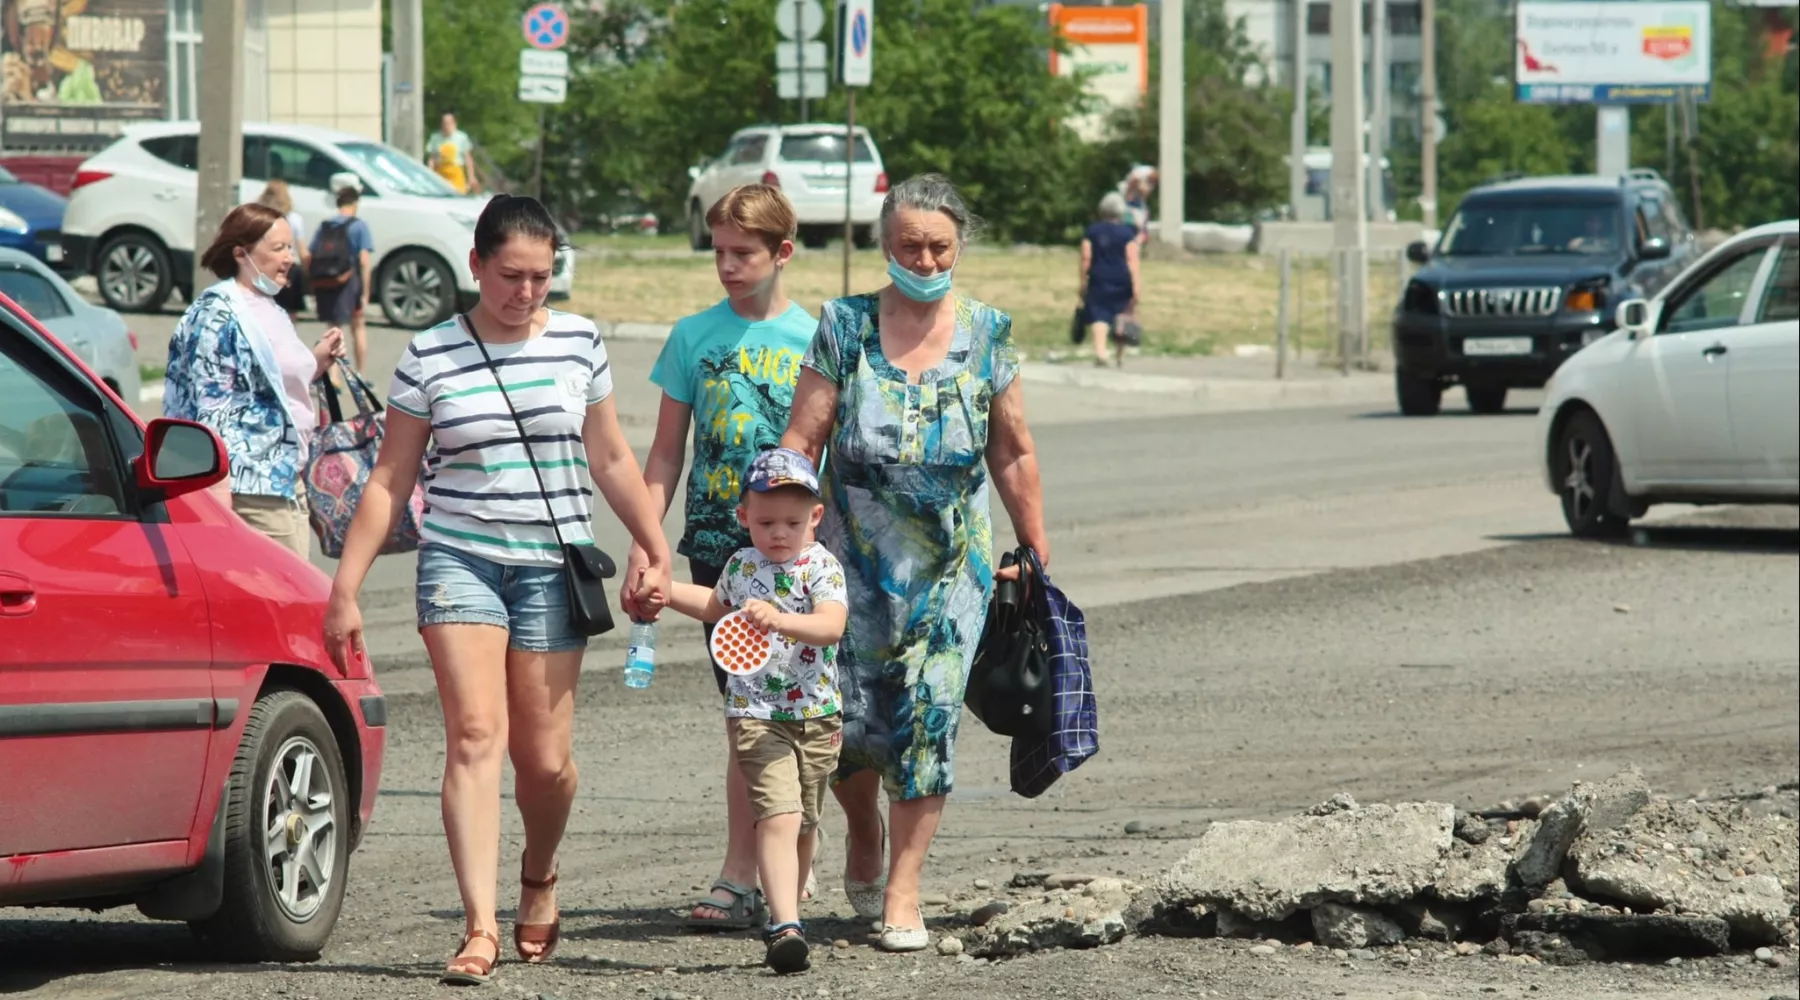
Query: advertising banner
78 70
1110 44
1614 51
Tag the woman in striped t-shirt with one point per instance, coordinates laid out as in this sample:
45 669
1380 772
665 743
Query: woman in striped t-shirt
492 607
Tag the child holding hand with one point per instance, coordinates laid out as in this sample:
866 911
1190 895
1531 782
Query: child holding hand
784 718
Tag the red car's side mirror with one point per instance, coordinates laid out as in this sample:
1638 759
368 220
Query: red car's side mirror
179 457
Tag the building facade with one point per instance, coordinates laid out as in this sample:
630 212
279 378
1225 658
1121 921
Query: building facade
77 71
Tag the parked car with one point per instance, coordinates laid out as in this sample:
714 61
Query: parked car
1526 273
131 219
172 732
55 171
98 336
808 163
31 218
1692 399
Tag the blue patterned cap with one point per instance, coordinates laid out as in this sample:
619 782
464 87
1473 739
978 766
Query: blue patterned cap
780 467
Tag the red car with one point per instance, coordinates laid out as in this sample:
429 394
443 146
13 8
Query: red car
172 732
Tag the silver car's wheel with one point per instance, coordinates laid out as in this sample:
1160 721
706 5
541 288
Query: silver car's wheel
417 290
134 273
299 829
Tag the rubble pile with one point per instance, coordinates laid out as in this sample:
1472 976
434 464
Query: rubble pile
1605 872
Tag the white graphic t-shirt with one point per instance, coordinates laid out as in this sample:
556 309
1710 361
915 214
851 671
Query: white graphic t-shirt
800 681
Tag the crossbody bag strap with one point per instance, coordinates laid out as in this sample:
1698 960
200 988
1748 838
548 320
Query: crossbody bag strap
468 326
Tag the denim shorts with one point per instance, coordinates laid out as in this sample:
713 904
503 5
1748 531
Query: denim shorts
530 602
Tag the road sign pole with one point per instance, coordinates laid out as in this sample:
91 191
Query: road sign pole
849 172
800 47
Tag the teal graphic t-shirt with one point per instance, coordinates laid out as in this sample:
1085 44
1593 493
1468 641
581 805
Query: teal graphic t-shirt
739 378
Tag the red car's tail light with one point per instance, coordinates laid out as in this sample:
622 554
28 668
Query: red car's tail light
881 183
771 178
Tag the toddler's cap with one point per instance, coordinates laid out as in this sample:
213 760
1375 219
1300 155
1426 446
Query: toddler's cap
780 467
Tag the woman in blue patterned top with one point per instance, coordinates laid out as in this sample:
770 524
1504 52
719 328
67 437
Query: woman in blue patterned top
237 365
914 392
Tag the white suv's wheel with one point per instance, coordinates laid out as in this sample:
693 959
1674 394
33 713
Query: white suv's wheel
134 272
416 289
287 836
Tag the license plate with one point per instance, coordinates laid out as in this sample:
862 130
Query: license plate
1489 347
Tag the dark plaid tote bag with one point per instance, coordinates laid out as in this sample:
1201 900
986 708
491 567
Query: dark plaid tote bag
1038 761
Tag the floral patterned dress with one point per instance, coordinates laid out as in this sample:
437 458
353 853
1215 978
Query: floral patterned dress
906 513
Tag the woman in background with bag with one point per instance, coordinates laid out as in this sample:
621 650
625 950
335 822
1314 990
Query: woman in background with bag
237 365
1109 277
517 401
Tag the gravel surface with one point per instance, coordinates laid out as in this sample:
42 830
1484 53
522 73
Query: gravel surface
1469 679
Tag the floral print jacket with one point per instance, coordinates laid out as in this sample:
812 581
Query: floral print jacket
221 374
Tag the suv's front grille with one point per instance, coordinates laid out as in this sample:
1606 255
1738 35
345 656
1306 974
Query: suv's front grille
1503 301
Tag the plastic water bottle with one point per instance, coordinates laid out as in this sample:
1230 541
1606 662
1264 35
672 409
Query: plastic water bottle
640 655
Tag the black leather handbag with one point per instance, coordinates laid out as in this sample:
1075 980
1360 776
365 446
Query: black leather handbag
1011 685
585 567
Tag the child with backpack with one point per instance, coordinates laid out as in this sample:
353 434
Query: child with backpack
343 251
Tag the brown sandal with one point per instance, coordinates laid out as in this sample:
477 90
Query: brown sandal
547 935
480 976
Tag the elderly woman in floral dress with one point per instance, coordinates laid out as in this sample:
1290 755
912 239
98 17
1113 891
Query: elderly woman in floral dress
913 392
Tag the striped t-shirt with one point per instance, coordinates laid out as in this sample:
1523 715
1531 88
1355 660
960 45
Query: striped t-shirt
481 497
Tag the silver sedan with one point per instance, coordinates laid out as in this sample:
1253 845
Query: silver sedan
97 335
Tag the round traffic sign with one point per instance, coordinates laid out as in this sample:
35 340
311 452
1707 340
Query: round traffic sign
859 34
546 27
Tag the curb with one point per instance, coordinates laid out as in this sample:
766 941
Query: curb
1223 393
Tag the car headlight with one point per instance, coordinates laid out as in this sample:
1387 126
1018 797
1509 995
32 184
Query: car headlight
12 222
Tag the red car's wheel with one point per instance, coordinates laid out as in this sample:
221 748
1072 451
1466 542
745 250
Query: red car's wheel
287 836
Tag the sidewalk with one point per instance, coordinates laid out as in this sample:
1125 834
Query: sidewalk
1228 382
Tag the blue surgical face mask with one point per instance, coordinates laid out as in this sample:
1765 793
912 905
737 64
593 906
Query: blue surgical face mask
262 282
919 287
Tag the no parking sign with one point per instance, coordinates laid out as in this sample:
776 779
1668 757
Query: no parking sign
856 42
546 27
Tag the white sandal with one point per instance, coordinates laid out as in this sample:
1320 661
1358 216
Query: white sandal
868 899
900 939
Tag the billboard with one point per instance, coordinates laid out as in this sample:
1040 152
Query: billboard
1112 44
1613 51
77 70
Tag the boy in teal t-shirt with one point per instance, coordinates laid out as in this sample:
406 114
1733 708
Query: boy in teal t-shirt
729 372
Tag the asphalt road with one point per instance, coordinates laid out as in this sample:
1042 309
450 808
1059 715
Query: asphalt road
1282 605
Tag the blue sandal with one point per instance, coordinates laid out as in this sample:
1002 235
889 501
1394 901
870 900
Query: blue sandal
787 949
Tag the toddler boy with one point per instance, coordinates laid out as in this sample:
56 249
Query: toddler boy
784 719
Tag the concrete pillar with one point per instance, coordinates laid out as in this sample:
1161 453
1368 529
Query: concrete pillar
1171 126
1378 108
1297 124
408 110
221 99
1428 101
1612 139
1350 222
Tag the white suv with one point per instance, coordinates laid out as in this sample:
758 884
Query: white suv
807 163
130 219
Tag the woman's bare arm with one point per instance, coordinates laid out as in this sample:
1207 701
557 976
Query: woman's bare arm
814 412
1012 458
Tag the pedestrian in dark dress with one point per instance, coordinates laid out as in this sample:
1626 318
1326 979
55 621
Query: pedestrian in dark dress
1109 275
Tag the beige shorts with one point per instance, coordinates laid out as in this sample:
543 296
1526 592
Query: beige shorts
286 521
787 765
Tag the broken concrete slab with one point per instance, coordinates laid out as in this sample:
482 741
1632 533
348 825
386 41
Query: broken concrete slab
1436 919
1610 804
1711 859
1610 937
1085 922
1477 872
1371 855
1541 861
1338 926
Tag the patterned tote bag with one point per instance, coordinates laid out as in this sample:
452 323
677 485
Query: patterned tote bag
1037 761
343 455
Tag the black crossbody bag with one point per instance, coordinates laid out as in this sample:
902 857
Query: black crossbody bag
585 567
